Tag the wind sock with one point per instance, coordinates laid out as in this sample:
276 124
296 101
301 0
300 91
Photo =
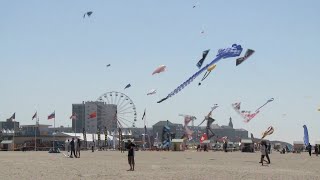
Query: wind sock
306 135
269 131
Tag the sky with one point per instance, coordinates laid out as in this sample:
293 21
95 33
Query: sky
52 57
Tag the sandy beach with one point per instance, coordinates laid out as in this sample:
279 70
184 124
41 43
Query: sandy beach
157 165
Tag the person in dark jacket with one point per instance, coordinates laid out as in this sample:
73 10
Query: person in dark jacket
78 147
309 147
130 148
72 149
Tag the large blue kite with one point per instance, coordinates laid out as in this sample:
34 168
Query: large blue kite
233 51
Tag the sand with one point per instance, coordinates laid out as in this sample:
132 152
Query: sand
158 165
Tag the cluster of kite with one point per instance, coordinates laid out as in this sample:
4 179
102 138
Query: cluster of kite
158 70
233 51
247 115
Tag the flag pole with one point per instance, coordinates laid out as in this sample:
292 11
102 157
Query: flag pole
75 126
54 127
14 127
35 133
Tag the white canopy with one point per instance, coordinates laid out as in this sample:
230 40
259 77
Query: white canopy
90 137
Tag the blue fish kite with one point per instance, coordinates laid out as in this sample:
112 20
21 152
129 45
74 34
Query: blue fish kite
234 51
306 135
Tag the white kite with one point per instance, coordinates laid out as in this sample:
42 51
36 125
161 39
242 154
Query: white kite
152 91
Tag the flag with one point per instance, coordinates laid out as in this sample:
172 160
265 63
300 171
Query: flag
73 116
144 114
93 115
52 115
13 117
34 116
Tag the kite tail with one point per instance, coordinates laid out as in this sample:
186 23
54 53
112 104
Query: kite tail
270 100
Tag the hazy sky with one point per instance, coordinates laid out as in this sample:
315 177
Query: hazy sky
50 57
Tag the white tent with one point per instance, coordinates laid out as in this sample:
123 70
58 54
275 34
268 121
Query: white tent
90 138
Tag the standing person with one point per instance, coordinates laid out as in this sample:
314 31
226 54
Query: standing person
72 149
68 147
268 151
269 148
316 149
225 146
92 147
130 148
24 147
263 151
78 148
309 147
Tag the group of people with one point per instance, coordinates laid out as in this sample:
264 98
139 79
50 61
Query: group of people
74 147
316 149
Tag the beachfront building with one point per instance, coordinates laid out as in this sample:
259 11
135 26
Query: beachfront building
60 129
40 129
234 135
9 124
104 118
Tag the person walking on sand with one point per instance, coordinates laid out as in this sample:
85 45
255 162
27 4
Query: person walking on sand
316 149
263 151
78 148
130 148
72 149
268 151
68 148
309 147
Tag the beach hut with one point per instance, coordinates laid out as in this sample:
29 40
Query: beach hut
247 145
298 146
176 145
6 145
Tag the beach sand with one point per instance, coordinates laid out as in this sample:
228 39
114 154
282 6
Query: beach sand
158 165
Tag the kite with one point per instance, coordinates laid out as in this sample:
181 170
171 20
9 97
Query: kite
152 91
206 74
306 135
233 51
215 106
88 14
209 131
127 86
108 65
204 55
188 133
159 69
269 131
247 115
248 53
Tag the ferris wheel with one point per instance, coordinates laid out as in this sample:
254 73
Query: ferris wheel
126 114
